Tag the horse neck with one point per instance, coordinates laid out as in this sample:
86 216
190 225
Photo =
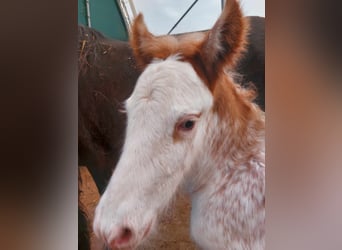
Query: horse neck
236 138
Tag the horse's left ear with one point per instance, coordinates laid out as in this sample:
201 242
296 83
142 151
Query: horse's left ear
224 42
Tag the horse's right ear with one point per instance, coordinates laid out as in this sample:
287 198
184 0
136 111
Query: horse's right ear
140 37
146 46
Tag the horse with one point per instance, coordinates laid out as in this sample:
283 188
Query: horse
107 76
189 127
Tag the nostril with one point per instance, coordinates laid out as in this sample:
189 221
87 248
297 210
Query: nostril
125 235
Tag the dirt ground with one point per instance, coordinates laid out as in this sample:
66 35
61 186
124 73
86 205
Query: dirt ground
172 232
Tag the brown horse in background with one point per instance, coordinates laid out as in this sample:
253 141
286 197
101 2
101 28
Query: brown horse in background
252 65
107 76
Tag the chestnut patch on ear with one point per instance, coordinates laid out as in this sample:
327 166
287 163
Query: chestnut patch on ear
184 126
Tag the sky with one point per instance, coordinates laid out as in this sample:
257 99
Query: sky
161 15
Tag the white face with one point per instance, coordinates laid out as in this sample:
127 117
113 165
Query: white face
166 116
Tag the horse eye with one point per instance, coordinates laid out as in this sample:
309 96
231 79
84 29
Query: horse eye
187 125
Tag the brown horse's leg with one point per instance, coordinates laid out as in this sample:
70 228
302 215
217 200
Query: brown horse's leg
83 230
83 226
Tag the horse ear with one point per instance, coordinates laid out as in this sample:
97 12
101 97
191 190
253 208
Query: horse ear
146 46
224 42
139 38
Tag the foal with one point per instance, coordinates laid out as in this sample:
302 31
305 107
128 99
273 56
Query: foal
190 125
